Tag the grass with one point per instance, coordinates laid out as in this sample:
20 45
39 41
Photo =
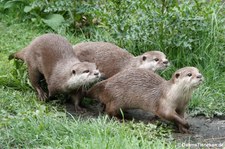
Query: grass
27 123
41 127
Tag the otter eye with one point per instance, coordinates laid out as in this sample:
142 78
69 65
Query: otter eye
189 74
73 72
86 71
156 59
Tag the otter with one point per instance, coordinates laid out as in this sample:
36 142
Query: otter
139 88
50 57
111 59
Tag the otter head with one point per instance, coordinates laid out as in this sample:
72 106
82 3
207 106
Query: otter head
154 60
187 78
83 74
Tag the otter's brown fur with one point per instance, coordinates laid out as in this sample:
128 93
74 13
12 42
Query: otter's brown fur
143 89
111 59
51 57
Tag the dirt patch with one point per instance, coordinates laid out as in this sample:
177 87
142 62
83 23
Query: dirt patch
205 131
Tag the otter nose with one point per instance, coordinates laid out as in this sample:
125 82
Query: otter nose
96 73
165 62
199 76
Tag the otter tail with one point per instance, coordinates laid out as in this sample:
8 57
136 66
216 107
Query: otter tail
96 92
18 55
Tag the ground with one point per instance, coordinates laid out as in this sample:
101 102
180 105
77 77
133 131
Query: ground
206 131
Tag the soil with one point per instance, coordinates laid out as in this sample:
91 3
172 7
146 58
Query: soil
205 132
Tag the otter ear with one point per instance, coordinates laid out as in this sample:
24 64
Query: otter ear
144 58
177 75
73 72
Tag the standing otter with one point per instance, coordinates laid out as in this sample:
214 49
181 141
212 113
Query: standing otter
51 57
143 89
111 59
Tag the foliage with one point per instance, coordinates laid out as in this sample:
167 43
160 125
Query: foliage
178 28
56 14
188 32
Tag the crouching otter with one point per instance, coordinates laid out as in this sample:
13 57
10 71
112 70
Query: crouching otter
143 89
111 59
51 57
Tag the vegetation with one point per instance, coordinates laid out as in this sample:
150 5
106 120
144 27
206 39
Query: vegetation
188 32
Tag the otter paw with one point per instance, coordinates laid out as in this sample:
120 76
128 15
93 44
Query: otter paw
101 107
80 110
42 96
187 126
183 129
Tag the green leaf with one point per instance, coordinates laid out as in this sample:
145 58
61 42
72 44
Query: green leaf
54 21
10 4
27 9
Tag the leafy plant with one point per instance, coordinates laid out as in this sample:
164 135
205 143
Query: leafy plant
59 15
176 28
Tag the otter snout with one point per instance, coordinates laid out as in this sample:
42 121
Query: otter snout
97 73
103 76
166 63
200 77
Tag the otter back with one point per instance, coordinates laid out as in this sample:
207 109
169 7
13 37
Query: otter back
109 58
